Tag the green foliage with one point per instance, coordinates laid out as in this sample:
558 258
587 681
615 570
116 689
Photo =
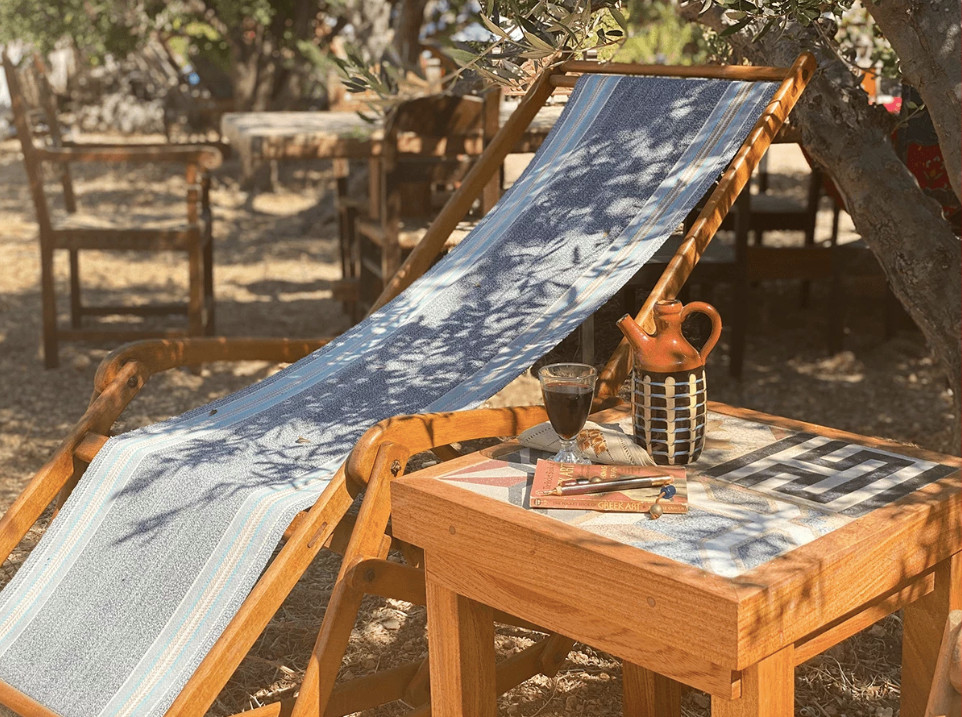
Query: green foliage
844 26
189 38
100 27
862 43
658 35
530 33
221 33
762 17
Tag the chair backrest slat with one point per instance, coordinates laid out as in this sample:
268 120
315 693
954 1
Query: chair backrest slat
438 116
30 158
49 104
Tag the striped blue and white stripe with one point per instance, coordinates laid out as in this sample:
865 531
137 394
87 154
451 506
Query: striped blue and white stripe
172 524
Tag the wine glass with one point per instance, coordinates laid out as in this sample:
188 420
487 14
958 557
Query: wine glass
568 389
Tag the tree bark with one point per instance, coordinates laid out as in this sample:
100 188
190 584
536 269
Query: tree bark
407 32
850 138
371 20
251 67
927 37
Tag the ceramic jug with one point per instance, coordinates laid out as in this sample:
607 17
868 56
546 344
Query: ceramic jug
669 388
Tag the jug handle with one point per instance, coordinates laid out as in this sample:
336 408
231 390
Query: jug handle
700 307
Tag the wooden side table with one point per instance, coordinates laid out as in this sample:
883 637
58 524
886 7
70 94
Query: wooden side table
798 536
259 137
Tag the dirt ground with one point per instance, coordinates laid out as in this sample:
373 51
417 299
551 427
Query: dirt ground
275 259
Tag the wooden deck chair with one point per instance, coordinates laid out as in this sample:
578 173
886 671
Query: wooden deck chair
155 577
76 231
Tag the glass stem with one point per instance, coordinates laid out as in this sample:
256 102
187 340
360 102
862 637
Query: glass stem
568 444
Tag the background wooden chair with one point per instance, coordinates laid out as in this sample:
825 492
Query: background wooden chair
778 212
745 263
429 145
76 231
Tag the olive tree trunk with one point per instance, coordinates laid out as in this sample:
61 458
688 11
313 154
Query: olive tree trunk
927 37
919 254
407 31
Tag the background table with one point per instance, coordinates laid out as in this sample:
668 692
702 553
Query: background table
798 536
258 137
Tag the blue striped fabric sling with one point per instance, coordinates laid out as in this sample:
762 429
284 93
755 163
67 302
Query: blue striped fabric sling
171 525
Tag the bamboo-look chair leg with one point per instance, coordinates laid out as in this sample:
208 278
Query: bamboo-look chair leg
208 260
195 255
208 255
75 306
741 296
814 195
49 301
195 301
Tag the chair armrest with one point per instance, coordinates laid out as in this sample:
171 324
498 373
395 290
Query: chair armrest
206 157
157 355
423 432
419 433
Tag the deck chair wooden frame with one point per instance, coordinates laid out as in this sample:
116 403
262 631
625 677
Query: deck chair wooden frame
193 236
382 453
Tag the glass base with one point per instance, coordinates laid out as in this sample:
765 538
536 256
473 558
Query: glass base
570 454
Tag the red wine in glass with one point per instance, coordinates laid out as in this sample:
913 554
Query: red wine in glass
568 406
568 389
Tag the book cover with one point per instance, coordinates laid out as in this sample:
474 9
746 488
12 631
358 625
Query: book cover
636 500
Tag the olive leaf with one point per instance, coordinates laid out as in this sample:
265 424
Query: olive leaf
462 57
619 18
732 29
493 27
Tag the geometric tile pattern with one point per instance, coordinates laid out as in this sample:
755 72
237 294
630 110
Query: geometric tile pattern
840 476
757 492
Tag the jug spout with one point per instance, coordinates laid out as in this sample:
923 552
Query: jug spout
636 336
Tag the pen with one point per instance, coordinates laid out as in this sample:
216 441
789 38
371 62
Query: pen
586 487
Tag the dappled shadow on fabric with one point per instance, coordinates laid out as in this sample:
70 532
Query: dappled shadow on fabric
197 503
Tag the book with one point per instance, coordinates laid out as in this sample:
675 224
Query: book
549 474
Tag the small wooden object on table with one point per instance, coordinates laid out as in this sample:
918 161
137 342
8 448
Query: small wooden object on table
798 536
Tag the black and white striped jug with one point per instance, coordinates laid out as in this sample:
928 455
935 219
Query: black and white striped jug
669 387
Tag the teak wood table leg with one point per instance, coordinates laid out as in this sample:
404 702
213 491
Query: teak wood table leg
648 694
768 689
461 652
923 622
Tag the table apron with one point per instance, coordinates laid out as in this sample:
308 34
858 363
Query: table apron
641 644
865 615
